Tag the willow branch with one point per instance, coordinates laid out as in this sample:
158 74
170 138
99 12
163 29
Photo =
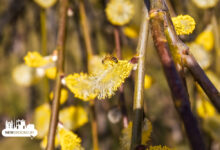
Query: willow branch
187 60
139 83
121 89
158 14
86 33
60 74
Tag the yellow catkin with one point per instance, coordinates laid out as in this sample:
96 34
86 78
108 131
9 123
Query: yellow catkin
206 39
42 119
119 12
63 97
81 85
130 32
205 109
73 117
45 3
34 59
125 140
23 75
184 24
69 140
147 81
112 77
102 85
43 143
51 73
146 131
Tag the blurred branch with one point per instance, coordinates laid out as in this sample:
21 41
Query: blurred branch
43 25
139 83
217 42
159 15
94 126
60 74
121 89
86 33
43 31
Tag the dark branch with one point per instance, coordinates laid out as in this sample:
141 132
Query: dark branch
187 60
158 14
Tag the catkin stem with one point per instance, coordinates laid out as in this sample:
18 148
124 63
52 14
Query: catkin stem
60 73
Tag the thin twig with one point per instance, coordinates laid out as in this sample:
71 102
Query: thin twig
89 49
44 44
159 14
121 89
60 74
86 30
139 83
94 126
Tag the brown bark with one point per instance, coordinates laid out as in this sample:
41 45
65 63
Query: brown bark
158 13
